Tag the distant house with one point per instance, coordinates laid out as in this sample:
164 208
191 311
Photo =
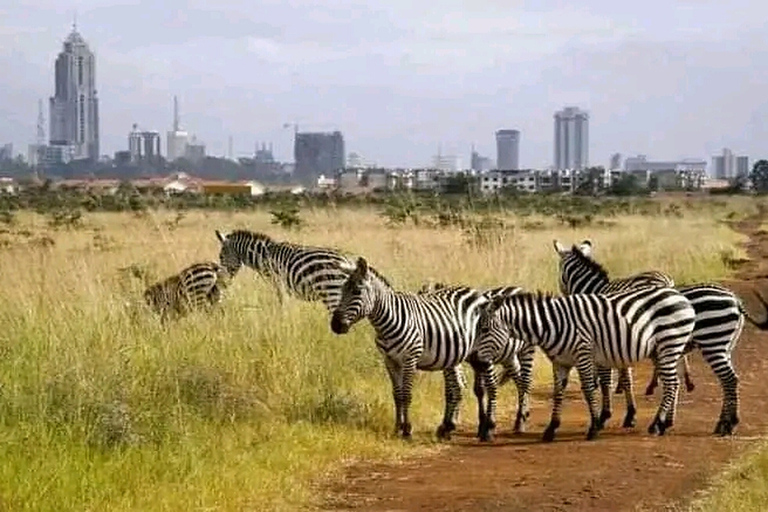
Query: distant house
246 188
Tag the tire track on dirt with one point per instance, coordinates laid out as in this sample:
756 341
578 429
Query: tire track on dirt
623 470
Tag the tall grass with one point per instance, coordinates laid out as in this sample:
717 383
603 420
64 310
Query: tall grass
103 409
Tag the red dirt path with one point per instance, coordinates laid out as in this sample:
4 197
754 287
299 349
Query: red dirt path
622 470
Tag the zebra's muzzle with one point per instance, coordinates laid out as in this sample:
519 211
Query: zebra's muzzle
339 326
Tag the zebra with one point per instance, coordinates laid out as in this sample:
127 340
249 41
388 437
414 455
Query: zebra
719 321
579 273
591 331
429 331
308 273
516 359
197 286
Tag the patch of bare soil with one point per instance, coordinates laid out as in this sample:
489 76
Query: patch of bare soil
622 470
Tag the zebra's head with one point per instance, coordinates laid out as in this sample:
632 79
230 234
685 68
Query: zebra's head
492 332
356 300
242 247
576 264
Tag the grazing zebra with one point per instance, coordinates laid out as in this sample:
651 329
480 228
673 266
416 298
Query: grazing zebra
591 331
197 286
579 273
429 331
719 321
515 358
308 273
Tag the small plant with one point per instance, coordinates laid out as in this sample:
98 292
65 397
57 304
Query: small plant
174 224
287 216
68 218
7 217
488 232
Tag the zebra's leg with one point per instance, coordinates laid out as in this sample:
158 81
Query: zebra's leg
408 372
721 364
654 382
620 384
479 391
560 382
525 358
625 374
489 383
604 377
395 372
689 385
586 367
666 363
452 400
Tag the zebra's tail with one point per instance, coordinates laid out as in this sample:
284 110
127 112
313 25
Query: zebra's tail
763 326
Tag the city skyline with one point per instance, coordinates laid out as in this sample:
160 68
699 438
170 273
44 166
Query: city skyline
636 69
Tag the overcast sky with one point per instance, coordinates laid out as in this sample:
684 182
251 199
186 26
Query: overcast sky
667 78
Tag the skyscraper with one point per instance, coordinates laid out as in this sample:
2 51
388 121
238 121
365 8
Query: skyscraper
508 150
571 139
318 153
74 108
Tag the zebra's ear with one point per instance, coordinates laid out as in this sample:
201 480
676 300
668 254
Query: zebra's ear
586 247
559 248
362 267
222 238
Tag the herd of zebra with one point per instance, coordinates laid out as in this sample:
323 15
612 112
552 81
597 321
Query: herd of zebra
596 324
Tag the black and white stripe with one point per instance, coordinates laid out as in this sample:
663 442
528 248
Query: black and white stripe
196 287
515 359
719 321
590 332
430 331
306 272
579 273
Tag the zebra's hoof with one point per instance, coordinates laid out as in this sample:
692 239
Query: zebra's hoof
592 433
444 431
486 436
549 434
605 415
649 390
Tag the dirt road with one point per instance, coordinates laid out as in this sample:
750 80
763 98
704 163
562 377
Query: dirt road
623 470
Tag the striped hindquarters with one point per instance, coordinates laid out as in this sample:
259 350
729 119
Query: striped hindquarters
195 286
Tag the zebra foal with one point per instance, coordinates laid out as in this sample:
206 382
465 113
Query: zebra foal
591 331
515 358
719 321
429 331
197 286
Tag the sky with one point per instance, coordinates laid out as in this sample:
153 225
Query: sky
669 79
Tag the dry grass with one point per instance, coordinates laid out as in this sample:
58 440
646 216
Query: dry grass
103 409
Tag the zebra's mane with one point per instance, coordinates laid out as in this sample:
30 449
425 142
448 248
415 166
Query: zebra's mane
244 233
588 262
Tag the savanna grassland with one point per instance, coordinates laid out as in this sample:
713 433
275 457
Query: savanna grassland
250 408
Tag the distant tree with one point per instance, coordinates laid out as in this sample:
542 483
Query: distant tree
759 176
626 185
457 184
591 182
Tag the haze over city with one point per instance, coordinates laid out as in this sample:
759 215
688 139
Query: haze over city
667 79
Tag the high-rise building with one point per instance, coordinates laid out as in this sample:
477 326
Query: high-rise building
74 108
318 153
480 163
571 139
144 146
176 139
742 166
728 166
508 150
615 163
